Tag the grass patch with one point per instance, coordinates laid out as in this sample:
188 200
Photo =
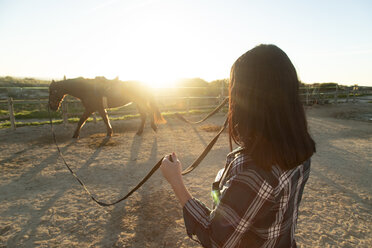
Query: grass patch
36 114
4 112
210 128
32 114
7 124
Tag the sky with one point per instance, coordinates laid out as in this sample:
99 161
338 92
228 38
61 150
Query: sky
159 41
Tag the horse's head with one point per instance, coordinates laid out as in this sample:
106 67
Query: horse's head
56 94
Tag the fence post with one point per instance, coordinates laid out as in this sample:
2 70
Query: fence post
336 94
222 91
188 105
65 112
319 99
11 113
40 105
94 118
354 93
347 94
307 95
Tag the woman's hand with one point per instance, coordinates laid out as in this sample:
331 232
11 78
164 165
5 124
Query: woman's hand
171 170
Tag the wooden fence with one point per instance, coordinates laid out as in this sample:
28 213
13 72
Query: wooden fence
184 104
309 95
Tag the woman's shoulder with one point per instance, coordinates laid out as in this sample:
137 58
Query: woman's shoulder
241 160
241 163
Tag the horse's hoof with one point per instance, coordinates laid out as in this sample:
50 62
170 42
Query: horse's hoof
109 134
75 136
155 129
139 133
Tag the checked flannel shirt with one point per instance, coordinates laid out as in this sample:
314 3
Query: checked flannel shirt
257 208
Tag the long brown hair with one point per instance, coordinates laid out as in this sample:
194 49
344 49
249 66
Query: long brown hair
266 116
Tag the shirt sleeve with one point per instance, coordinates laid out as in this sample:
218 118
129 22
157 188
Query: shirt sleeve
224 226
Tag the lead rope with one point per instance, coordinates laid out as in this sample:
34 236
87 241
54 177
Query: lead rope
206 150
179 116
152 171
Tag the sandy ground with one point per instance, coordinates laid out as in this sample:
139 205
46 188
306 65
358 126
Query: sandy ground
41 204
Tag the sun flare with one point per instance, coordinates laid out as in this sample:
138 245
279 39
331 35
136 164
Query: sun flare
160 83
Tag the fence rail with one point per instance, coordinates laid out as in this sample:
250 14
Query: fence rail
309 95
179 104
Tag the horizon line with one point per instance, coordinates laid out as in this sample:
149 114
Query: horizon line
174 80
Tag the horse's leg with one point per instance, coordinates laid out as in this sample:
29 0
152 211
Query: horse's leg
82 121
153 125
143 120
105 118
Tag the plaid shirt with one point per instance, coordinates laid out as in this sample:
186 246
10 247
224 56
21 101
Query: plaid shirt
257 208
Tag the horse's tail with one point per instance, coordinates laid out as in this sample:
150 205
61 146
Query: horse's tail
158 118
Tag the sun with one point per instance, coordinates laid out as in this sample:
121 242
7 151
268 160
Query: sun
160 82
160 74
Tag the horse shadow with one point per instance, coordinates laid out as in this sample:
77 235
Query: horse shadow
15 155
36 214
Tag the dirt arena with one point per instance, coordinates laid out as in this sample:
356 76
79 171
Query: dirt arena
42 205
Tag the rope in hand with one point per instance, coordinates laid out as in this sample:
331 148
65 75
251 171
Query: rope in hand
149 174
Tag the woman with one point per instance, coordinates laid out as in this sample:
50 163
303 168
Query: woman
256 197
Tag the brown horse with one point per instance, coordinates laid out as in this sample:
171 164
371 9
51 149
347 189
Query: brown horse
100 93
